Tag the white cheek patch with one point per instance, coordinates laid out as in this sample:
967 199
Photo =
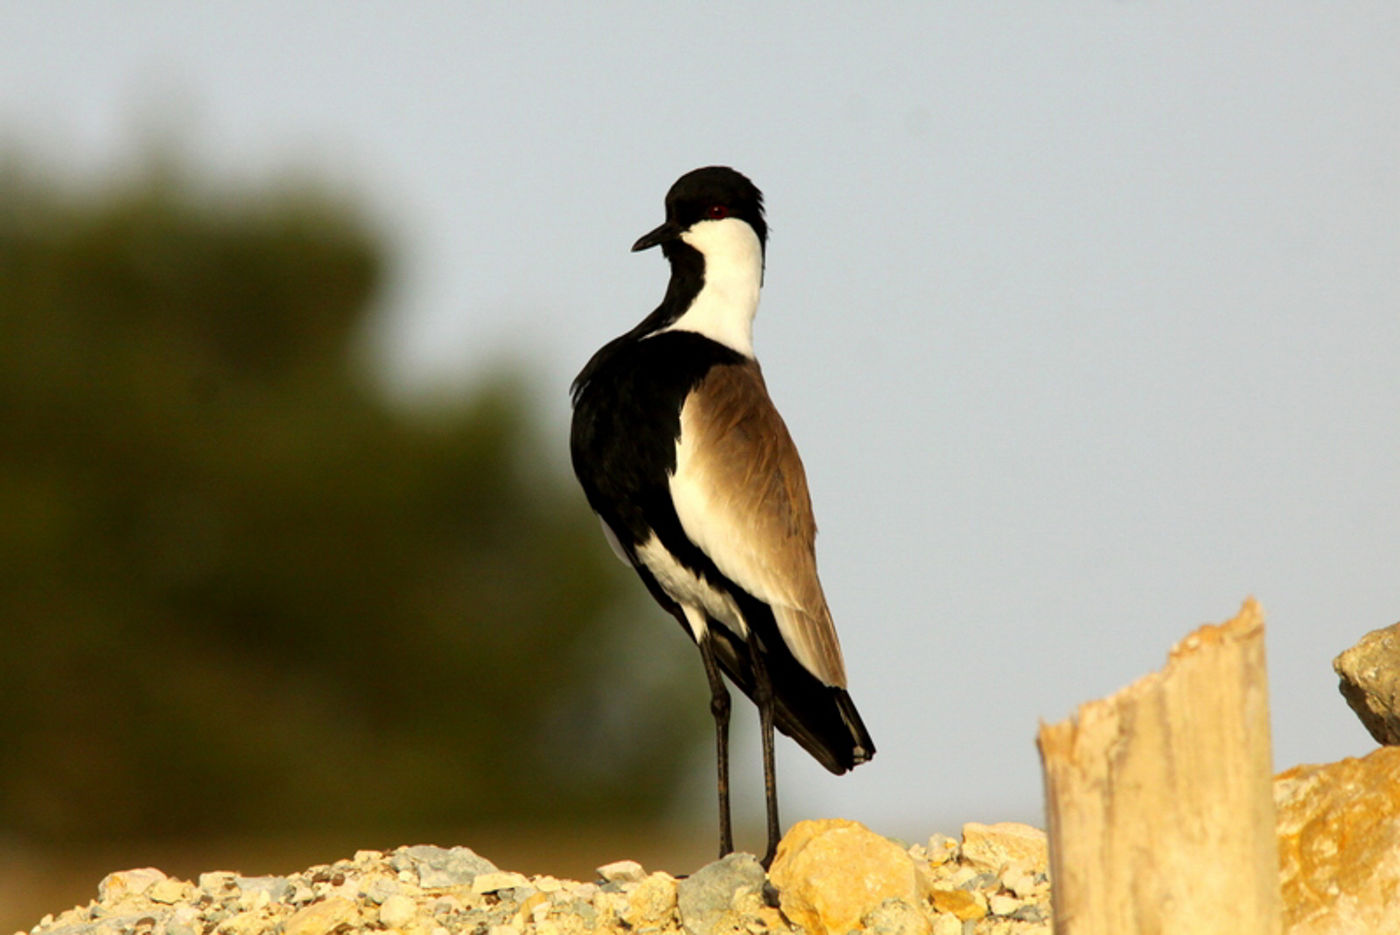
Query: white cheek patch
689 590
725 308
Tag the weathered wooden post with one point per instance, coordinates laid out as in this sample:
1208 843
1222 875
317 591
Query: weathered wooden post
1159 798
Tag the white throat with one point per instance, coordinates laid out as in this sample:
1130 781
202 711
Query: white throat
723 311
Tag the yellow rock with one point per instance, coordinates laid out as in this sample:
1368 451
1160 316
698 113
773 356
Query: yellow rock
831 873
254 921
945 924
169 891
1006 843
1339 845
528 907
123 883
960 903
653 902
321 917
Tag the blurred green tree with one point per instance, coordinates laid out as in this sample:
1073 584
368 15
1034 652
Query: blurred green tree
239 591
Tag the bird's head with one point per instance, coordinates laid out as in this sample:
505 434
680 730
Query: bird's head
715 210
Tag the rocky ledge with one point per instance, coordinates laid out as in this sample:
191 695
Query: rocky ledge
828 878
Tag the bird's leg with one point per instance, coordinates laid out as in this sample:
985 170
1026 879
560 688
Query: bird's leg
719 707
763 697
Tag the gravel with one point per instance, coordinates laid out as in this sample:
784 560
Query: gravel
428 890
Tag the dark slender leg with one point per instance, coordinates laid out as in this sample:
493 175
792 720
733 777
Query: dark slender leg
719 707
763 697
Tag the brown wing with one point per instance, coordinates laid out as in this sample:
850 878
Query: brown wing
741 495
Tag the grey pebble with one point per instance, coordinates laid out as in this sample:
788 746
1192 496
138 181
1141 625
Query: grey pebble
708 893
622 871
439 867
895 917
981 882
380 889
1029 913
276 888
115 924
585 911
301 892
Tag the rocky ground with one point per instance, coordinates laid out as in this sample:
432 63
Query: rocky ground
1338 835
829 877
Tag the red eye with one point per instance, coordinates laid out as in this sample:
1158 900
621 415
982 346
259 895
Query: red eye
717 211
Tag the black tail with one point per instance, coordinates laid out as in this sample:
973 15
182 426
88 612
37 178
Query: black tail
821 718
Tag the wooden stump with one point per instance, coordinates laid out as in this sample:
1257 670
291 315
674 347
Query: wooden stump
1159 798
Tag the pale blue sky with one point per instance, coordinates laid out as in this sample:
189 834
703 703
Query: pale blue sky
1085 317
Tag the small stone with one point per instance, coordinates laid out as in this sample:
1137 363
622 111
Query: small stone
123 883
981 881
256 892
1023 884
218 883
945 923
832 873
252 922
169 891
962 878
185 912
653 902
585 912
504 930
321 917
448 905
1003 905
113 925
1031 912
960 903
1007 843
379 889
896 917
704 897
300 894
439 868
368 857
622 871
1370 682
397 911
526 912
498 880
941 849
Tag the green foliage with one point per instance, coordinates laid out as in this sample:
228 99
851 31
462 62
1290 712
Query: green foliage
239 592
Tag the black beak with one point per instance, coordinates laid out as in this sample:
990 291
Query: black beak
665 232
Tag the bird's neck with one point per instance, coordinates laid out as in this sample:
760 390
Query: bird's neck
718 296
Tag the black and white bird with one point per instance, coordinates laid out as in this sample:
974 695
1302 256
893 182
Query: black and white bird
699 487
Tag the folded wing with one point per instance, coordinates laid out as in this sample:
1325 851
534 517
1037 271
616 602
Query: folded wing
741 495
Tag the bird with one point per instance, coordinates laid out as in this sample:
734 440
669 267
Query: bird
699 487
